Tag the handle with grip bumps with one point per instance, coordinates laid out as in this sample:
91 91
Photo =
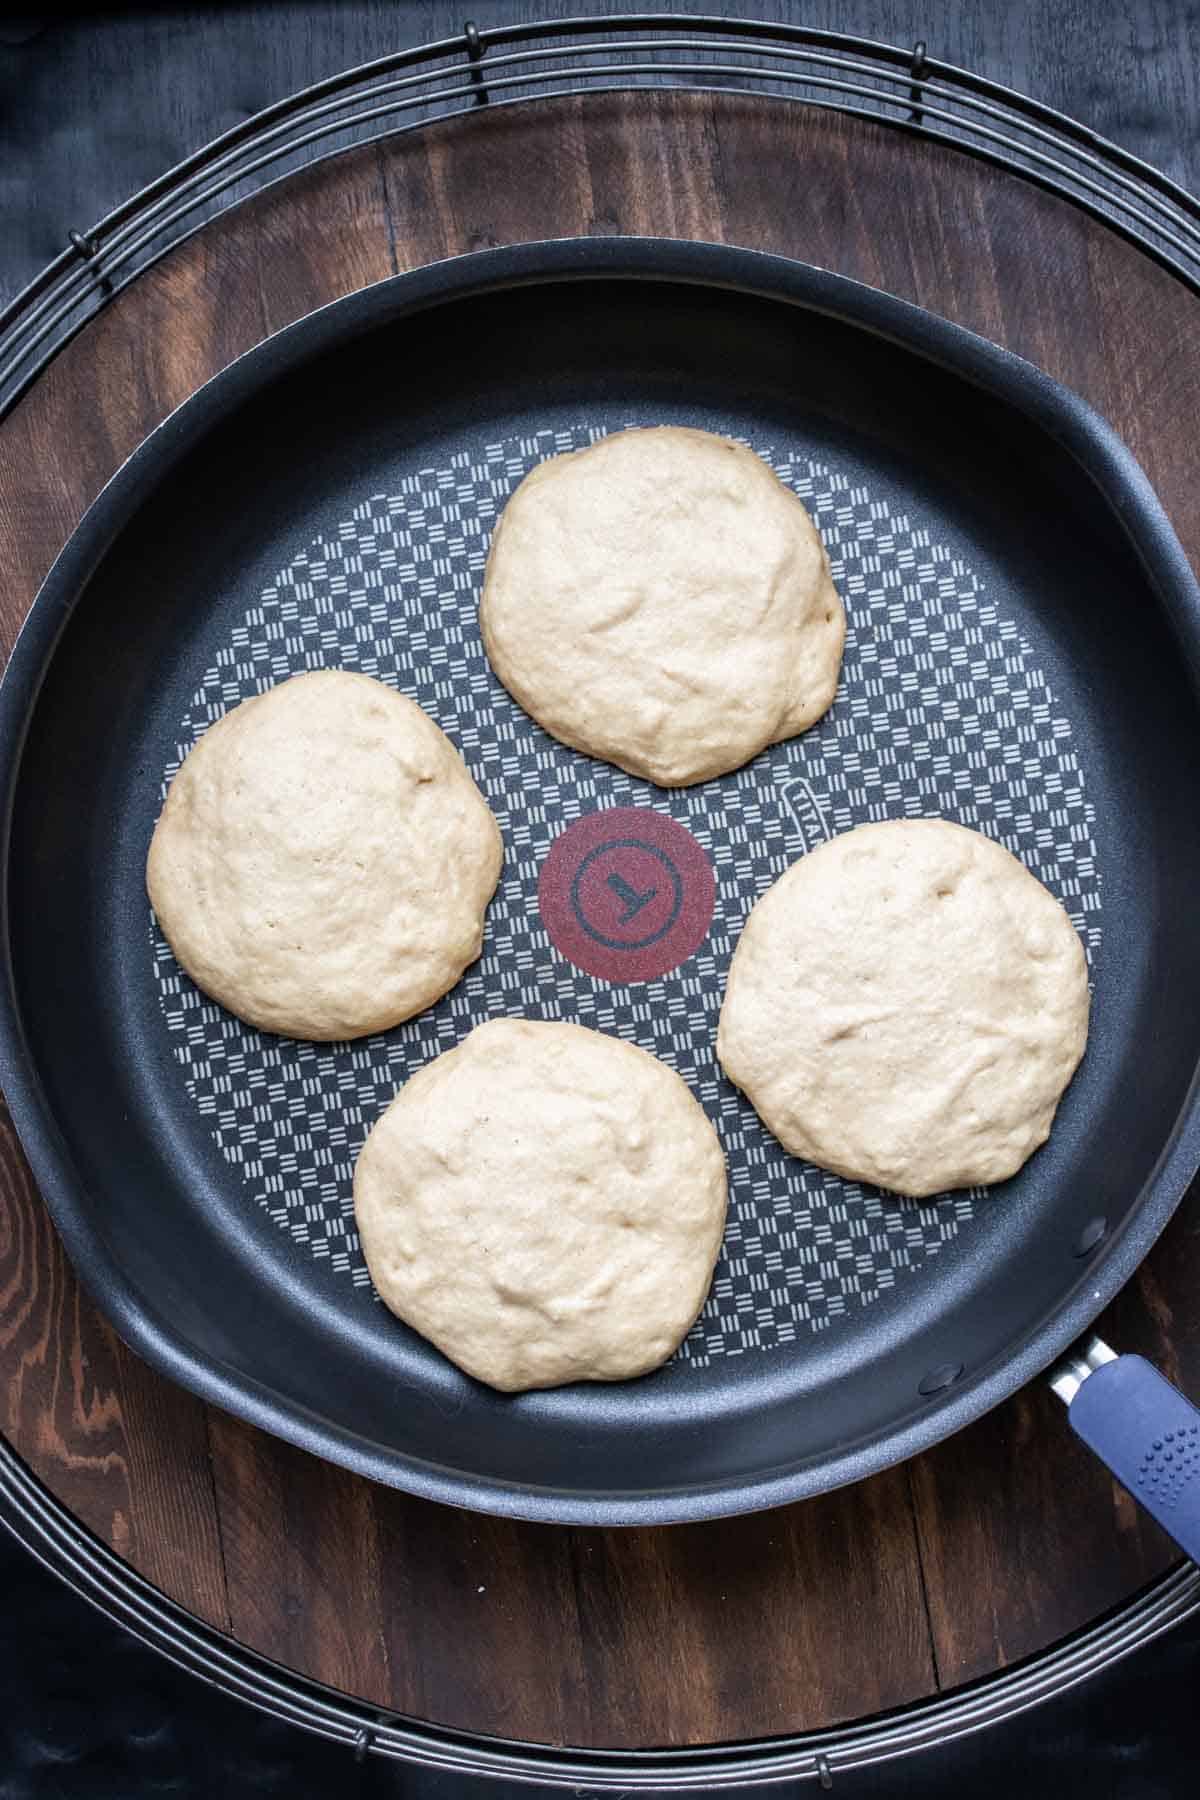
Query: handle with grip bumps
1149 1436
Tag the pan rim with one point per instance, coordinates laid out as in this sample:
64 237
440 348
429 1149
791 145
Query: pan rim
1066 418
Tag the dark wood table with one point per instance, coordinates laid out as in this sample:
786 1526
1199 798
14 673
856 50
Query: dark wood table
983 1551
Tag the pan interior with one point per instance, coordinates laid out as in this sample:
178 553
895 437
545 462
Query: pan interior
1007 666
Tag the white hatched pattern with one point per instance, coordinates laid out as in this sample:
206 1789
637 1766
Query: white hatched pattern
941 710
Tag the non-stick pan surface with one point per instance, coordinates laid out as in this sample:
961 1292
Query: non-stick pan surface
1022 657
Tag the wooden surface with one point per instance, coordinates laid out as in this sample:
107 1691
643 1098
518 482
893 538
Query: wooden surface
980 1552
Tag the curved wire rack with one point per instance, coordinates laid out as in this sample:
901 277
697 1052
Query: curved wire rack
905 89
522 64
61 1544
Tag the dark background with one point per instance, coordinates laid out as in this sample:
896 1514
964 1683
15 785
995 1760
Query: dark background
94 105
95 102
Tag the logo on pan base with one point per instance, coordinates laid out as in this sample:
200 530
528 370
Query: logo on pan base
626 894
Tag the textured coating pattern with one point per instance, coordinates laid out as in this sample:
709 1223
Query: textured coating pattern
942 706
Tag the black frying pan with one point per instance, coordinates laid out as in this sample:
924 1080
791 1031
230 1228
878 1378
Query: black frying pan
1023 657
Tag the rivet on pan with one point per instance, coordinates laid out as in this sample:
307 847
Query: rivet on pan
944 1376
1093 1233
824 1772
362 1743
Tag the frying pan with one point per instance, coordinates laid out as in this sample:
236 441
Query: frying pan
1023 655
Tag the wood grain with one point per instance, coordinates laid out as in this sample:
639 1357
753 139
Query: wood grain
988 1548
583 1636
126 1451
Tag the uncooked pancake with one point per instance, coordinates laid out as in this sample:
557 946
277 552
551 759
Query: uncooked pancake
905 1006
324 859
662 600
545 1204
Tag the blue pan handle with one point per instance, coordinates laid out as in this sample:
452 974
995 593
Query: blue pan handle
1143 1428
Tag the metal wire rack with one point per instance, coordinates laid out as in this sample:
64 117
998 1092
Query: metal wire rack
63 1545
511 65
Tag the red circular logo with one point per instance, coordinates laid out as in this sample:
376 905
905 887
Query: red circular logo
626 894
